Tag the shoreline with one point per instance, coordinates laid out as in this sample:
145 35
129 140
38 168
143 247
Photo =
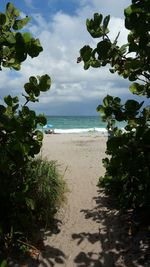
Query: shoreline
92 131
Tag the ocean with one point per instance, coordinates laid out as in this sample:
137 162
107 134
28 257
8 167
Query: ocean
76 124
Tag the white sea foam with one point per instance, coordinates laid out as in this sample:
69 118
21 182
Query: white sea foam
102 131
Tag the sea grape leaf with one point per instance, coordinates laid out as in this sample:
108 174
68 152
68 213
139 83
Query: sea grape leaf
8 100
41 119
30 203
136 88
44 83
85 52
2 19
10 37
94 26
19 24
11 10
39 135
103 48
105 24
34 48
27 37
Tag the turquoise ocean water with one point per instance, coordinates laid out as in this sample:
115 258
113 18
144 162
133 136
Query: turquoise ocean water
76 124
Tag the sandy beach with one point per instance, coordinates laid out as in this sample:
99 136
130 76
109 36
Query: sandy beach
87 231
79 157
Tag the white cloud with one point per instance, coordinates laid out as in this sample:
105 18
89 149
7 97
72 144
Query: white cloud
29 2
113 7
61 38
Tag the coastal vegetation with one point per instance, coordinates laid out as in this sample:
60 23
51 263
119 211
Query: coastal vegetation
127 166
30 189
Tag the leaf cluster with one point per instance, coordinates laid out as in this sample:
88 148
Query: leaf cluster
128 165
15 46
121 59
20 140
39 193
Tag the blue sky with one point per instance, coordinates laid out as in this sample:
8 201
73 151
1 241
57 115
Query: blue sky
60 26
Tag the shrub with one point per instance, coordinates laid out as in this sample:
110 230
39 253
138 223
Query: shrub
128 165
42 192
30 191
47 189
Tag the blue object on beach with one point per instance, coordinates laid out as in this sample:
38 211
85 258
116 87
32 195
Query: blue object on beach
47 126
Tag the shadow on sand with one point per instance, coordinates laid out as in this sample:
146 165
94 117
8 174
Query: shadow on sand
42 255
120 244
123 243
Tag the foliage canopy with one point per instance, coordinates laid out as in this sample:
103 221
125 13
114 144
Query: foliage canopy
14 45
20 140
128 166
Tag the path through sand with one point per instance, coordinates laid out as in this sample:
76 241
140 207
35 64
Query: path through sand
77 243
88 231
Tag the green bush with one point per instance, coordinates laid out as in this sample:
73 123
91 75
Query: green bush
42 192
46 187
30 190
128 165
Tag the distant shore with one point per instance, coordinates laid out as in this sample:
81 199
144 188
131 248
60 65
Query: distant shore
99 131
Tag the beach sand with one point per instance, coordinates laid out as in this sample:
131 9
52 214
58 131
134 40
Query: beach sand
79 157
87 231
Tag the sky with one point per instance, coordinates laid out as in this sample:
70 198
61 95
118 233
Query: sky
61 27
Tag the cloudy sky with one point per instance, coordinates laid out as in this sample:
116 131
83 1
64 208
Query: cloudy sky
60 26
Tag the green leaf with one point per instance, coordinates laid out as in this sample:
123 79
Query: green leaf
137 89
15 99
16 66
112 71
33 80
2 109
16 12
34 48
123 48
28 88
108 111
107 100
98 19
117 101
44 83
11 10
95 63
36 148
132 105
9 7
86 65
19 24
128 11
133 64
10 38
30 203
41 119
8 100
85 53
94 26
39 135
2 19
100 109
3 263
113 144
27 37
103 48
105 24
